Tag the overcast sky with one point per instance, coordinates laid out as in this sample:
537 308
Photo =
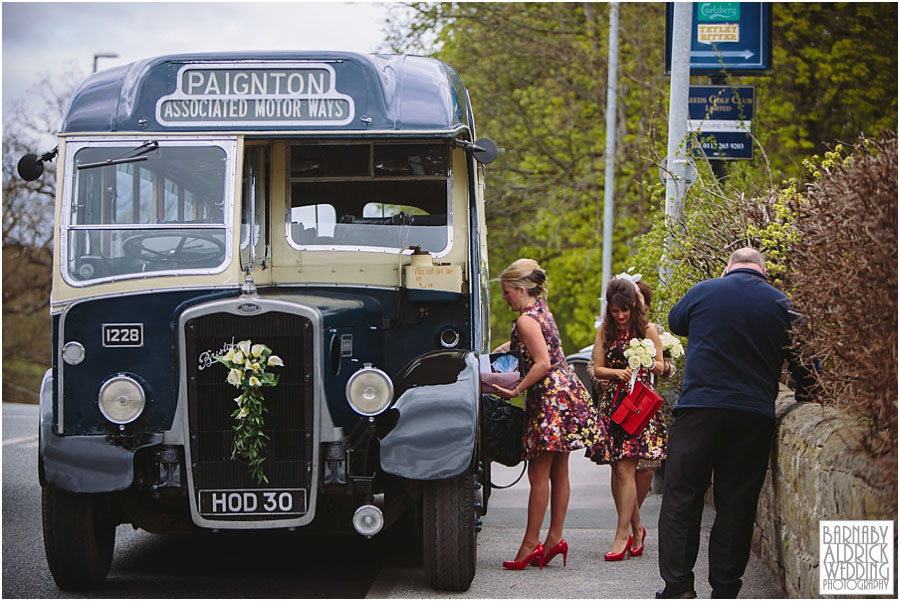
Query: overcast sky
53 37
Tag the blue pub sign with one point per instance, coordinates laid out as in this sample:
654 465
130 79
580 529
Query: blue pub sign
732 37
722 119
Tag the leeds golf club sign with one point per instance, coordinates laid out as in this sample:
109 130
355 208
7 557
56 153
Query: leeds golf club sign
255 94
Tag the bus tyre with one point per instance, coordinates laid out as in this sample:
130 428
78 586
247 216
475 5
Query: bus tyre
78 538
448 524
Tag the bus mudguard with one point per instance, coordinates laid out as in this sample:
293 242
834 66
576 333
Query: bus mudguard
436 409
83 464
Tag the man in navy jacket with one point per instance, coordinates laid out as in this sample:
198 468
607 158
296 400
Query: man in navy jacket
738 338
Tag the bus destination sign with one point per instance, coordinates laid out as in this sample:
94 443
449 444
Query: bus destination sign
255 95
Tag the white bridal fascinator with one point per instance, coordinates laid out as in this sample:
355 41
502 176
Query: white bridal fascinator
634 278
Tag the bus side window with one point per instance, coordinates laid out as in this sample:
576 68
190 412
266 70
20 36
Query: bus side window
313 224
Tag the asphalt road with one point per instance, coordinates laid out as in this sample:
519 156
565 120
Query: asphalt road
290 565
213 565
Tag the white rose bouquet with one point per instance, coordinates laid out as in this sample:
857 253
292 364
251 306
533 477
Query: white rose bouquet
640 353
247 363
671 346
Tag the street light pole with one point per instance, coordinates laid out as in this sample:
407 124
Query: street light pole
609 179
103 55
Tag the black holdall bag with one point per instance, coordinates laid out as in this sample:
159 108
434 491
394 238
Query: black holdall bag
502 430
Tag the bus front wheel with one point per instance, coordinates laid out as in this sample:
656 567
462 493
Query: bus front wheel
448 521
79 537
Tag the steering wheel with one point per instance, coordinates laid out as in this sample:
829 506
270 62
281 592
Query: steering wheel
192 248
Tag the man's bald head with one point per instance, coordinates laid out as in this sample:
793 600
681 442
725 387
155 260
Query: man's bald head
748 258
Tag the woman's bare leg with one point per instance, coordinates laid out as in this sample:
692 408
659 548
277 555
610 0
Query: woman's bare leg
626 505
559 497
538 498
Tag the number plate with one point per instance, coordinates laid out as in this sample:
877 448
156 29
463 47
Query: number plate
283 502
123 334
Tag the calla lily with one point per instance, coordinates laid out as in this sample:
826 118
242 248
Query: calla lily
234 377
248 364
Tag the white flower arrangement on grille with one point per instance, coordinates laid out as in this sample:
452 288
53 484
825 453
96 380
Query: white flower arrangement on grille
247 363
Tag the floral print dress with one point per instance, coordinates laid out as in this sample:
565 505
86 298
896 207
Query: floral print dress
559 413
647 444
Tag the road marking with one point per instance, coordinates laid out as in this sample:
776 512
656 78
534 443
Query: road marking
20 440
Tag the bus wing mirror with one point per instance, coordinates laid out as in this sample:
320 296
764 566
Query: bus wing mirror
485 151
31 166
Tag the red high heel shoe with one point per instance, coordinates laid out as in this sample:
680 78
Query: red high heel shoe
638 551
536 553
561 547
621 555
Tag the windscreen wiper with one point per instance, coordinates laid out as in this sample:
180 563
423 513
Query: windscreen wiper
140 155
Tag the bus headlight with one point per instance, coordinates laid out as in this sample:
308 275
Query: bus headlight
121 399
369 390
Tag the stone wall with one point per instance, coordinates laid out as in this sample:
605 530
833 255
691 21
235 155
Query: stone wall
814 474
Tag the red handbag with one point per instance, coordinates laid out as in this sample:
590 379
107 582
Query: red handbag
636 408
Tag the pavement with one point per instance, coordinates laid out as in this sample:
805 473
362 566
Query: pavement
589 530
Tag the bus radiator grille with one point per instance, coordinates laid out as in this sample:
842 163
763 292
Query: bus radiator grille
289 416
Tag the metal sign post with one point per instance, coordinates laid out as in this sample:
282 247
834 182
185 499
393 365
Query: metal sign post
678 112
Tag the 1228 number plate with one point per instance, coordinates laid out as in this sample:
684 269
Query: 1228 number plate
282 502
123 334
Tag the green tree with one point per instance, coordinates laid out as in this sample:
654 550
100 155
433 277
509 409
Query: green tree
834 77
537 76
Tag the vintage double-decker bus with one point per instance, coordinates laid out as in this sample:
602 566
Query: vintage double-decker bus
325 207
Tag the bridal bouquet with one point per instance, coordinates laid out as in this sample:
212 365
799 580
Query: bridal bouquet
247 363
671 346
640 353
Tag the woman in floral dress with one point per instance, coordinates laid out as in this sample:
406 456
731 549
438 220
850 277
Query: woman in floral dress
559 414
624 320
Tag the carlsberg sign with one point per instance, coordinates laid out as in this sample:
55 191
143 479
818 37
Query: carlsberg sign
718 11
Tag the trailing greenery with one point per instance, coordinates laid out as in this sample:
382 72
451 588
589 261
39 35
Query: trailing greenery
247 364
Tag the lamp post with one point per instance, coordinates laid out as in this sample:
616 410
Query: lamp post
103 55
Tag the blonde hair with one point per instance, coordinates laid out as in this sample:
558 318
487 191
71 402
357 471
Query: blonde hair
526 273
